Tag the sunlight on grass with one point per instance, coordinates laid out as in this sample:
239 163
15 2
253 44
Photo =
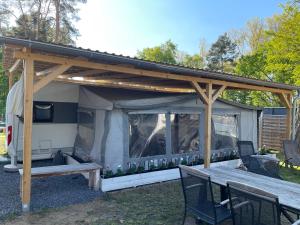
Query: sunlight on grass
2 144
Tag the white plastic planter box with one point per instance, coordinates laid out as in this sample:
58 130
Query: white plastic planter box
128 181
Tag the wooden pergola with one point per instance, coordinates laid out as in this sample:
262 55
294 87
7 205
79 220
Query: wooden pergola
42 63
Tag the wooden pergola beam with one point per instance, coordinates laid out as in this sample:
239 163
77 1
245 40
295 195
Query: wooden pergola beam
85 73
50 77
15 66
141 72
218 92
202 94
126 85
11 71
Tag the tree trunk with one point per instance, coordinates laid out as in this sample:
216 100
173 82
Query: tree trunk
57 20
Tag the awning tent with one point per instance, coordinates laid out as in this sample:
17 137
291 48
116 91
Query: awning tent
47 62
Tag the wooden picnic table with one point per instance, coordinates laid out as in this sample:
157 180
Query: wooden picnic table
288 193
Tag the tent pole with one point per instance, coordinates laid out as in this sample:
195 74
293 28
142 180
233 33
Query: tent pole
27 133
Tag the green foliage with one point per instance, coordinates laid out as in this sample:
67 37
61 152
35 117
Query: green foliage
252 66
108 174
168 53
119 172
283 48
222 54
140 169
183 162
165 53
171 165
194 61
3 89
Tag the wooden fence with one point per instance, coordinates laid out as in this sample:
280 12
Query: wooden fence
273 131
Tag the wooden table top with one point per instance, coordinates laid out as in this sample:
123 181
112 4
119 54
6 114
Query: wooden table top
288 193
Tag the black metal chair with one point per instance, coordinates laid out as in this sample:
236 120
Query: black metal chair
199 198
291 153
254 206
259 164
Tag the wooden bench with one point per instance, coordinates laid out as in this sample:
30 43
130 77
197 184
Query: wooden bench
92 168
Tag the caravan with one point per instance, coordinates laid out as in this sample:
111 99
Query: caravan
120 128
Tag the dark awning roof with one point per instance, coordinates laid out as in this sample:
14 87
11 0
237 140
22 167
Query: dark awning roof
104 57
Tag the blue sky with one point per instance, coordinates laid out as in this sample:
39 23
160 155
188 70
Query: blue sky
124 26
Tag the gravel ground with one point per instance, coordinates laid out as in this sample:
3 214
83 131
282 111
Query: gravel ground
46 193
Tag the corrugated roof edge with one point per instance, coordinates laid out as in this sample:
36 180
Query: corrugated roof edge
143 64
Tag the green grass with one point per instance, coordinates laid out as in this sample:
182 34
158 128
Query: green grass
2 144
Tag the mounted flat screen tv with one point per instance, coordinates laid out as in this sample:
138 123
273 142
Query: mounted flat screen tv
42 112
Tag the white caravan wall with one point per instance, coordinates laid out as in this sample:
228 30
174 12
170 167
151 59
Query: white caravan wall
50 137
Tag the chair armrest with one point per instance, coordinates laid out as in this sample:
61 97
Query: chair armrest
225 202
193 186
296 223
242 204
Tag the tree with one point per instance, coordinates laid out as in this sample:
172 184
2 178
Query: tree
194 61
3 89
45 20
222 54
252 66
65 12
164 53
283 46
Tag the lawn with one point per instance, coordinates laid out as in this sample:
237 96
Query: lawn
2 144
152 204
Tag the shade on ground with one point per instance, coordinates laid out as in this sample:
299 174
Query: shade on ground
48 192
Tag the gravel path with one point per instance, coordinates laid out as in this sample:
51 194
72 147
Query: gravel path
49 192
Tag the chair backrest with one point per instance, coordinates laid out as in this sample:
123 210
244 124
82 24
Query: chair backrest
198 194
290 149
245 148
252 206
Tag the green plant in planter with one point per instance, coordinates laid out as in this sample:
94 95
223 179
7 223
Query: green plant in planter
108 174
119 172
152 167
263 150
183 162
140 169
200 161
162 166
131 170
232 156
171 165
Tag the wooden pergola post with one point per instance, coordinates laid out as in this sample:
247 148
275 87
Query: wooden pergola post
208 97
27 133
208 115
10 80
289 118
286 100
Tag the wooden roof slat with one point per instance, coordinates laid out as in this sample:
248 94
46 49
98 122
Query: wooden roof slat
142 72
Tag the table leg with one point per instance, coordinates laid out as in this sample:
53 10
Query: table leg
91 179
97 180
